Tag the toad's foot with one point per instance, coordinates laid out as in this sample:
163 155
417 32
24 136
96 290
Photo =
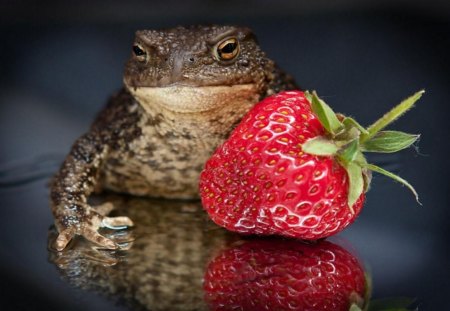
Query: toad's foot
87 225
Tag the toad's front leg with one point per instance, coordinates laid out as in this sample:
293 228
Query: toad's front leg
75 181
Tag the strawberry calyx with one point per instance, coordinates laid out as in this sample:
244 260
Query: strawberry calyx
346 140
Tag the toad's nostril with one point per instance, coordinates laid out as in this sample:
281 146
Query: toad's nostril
191 59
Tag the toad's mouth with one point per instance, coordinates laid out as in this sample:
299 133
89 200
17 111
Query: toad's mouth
194 99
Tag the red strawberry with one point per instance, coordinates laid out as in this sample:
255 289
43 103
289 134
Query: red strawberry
292 167
284 275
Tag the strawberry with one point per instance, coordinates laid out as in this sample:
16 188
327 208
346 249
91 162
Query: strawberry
285 275
293 167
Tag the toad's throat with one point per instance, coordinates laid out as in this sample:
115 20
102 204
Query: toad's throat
189 99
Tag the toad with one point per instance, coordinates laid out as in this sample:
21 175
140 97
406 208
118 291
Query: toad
184 90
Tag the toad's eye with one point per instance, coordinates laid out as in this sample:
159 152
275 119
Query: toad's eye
227 49
139 52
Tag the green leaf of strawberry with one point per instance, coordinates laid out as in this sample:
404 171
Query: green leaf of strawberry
389 141
326 115
356 182
321 146
382 171
350 152
293 167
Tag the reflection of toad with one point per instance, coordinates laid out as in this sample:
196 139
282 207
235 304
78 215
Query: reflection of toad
164 267
185 89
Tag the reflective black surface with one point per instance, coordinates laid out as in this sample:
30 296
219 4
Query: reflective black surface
58 70
164 259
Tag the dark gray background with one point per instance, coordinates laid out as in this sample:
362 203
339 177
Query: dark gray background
59 62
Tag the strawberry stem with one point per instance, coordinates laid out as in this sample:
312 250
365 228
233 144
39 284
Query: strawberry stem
350 122
391 116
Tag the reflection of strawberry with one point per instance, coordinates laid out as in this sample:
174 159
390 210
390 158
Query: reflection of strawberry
284 275
294 168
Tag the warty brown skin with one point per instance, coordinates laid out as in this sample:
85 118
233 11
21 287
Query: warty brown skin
185 90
